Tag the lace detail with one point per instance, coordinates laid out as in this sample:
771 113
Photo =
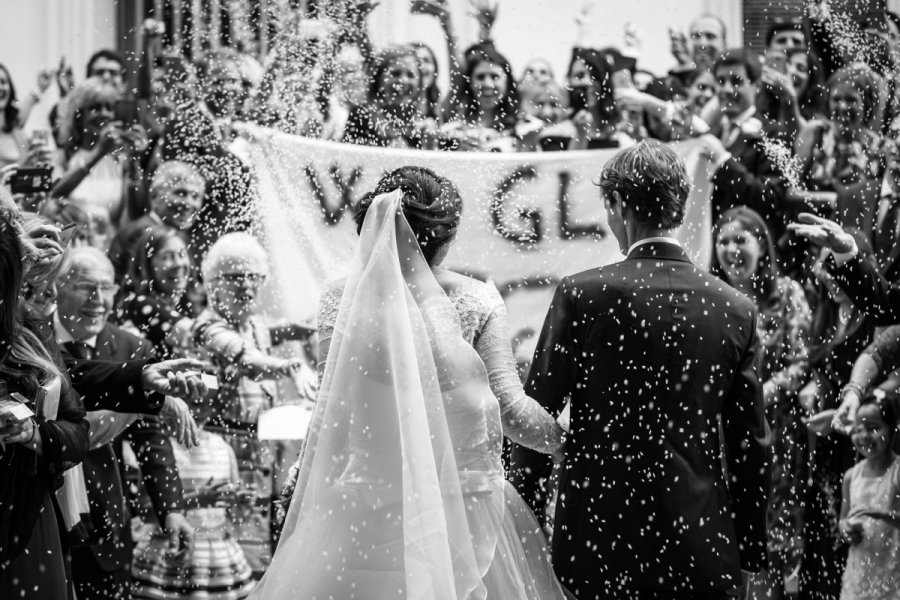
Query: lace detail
483 319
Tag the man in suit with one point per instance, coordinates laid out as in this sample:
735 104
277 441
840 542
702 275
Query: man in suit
742 172
663 490
861 280
101 564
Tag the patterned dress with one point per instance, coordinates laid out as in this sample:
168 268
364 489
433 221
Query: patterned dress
873 565
783 324
216 568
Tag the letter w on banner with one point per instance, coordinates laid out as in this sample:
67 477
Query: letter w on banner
528 219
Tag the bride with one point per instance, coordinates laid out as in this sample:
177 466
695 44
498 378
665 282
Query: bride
400 491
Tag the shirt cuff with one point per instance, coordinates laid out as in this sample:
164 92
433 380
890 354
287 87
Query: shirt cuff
842 258
714 168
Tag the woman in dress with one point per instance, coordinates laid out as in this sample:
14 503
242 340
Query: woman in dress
485 113
400 491
214 566
839 332
844 153
34 452
745 259
393 116
101 154
156 302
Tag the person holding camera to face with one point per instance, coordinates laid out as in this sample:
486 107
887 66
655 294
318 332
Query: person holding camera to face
103 145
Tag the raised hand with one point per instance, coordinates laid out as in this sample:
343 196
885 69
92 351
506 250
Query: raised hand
65 79
179 378
359 10
823 233
45 76
484 12
176 413
679 47
435 8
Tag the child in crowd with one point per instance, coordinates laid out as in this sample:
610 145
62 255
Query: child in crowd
870 519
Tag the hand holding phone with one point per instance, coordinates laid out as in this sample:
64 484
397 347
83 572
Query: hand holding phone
32 180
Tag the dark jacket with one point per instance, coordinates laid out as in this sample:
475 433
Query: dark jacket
110 542
869 290
657 357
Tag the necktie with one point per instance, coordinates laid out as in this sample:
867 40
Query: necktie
80 350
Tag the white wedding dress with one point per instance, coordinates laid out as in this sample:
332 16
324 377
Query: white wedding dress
400 489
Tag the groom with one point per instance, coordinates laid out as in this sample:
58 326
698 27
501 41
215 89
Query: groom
663 490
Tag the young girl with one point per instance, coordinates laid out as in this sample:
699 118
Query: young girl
213 566
870 511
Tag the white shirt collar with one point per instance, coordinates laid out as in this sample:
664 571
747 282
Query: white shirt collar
63 336
664 239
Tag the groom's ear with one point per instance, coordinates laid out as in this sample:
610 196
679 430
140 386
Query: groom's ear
618 202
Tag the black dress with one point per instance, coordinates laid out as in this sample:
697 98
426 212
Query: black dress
825 553
33 563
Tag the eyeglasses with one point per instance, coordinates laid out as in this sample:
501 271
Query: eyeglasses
243 278
85 288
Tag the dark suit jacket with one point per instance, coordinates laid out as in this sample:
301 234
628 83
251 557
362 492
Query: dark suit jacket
112 384
749 179
868 289
655 354
111 543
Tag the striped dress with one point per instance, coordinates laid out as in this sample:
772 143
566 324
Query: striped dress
216 568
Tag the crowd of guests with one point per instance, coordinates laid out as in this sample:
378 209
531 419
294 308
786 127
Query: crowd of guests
136 251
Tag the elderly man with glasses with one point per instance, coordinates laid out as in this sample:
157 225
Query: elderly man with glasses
101 563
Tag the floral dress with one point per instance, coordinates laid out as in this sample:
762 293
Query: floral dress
783 325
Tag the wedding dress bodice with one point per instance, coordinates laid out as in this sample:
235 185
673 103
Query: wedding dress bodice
482 318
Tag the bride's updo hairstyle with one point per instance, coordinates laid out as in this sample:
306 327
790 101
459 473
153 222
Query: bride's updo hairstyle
431 205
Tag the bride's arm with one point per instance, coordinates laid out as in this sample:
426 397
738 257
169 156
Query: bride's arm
328 308
524 420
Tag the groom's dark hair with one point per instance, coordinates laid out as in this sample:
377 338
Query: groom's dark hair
651 180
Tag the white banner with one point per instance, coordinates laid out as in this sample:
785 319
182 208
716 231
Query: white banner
528 219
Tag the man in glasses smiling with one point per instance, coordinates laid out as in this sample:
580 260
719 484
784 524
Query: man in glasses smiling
102 565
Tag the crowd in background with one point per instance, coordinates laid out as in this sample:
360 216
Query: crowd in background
138 180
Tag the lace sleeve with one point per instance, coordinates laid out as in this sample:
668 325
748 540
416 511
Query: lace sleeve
524 420
329 304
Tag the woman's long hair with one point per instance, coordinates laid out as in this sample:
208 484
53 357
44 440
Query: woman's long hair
22 355
812 101
91 90
141 277
767 271
382 63
868 84
432 94
604 112
507 110
11 112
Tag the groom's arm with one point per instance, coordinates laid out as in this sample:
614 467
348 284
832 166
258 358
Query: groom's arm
747 438
549 382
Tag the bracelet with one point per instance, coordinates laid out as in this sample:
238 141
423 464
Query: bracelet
31 439
853 387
